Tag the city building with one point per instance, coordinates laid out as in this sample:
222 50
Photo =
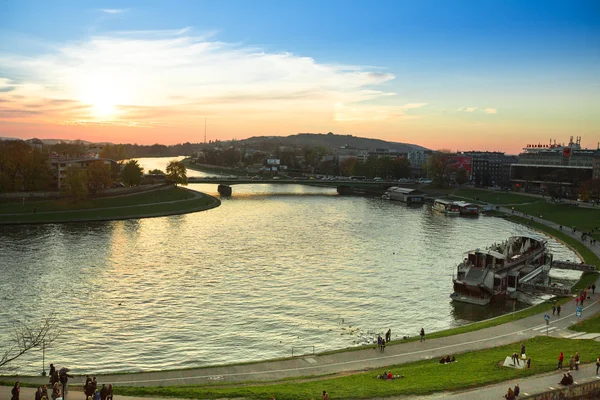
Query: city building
417 158
345 152
490 168
542 166
59 167
596 164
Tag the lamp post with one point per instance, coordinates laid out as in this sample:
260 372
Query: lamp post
43 358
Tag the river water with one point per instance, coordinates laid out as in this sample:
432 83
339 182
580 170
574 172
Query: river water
273 268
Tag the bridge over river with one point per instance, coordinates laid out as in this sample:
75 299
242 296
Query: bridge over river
343 186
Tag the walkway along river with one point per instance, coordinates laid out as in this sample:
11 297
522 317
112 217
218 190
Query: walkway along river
271 269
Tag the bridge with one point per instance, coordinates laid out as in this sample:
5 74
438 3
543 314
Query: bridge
343 186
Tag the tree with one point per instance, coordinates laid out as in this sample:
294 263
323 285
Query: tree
438 166
27 336
156 172
590 190
461 176
177 172
99 176
75 183
132 173
113 152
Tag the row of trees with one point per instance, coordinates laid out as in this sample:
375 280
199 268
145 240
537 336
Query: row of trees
22 167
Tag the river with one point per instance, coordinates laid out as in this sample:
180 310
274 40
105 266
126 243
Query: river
273 268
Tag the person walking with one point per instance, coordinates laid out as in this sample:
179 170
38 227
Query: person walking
597 365
51 373
558 311
379 340
576 361
382 346
561 357
517 389
553 309
523 350
16 391
571 362
593 288
422 334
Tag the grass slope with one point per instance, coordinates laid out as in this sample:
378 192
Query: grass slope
127 208
590 325
156 196
472 369
585 219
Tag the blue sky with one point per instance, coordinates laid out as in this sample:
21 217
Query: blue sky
529 60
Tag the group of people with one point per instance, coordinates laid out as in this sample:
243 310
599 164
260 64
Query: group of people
556 309
447 360
581 297
92 393
387 375
566 380
42 392
512 394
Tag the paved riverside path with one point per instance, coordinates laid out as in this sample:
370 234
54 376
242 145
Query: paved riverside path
368 358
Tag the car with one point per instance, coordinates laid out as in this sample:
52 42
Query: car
276 178
378 179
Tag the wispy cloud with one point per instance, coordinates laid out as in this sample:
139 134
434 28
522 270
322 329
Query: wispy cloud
491 111
114 10
188 76
470 109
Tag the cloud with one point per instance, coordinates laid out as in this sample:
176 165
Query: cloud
470 109
114 10
344 113
187 76
491 111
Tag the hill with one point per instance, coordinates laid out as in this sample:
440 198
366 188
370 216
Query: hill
327 140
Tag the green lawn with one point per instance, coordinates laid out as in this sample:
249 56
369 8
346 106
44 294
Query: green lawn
472 369
493 197
156 196
122 208
591 325
566 215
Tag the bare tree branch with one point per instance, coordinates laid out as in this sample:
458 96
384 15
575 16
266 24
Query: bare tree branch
27 336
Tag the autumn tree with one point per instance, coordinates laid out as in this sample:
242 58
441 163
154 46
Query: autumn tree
131 174
114 152
156 172
27 336
590 190
177 172
22 167
461 176
75 183
438 166
347 166
99 176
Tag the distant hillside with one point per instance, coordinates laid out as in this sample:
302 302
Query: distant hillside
327 140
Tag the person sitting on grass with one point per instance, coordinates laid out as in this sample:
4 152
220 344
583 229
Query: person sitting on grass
390 376
443 360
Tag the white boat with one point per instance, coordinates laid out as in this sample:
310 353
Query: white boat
447 207
491 274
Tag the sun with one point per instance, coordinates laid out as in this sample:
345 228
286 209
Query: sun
103 96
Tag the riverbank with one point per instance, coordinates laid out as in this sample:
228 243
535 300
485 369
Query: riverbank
169 200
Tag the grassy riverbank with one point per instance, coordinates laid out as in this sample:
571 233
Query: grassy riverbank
170 201
472 369
590 325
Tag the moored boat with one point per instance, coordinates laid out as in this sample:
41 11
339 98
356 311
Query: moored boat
447 207
468 209
492 274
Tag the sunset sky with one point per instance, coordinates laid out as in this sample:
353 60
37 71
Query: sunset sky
463 75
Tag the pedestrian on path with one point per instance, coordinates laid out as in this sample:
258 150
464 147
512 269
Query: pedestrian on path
571 363
558 311
593 288
517 389
597 365
577 361
422 334
553 309
561 357
382 346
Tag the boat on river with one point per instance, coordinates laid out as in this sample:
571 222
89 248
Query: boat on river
467 209
447 207
493 273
